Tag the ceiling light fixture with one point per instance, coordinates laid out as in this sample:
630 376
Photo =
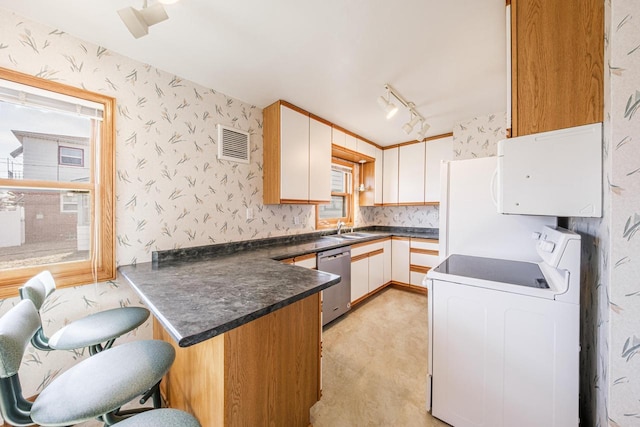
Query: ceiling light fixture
408 127
424 128
386 104
361 187
415 116
139 21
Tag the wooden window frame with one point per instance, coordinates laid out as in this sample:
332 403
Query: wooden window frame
348 220
101 188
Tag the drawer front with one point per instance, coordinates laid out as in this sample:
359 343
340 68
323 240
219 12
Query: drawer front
360 249
431 244
424 260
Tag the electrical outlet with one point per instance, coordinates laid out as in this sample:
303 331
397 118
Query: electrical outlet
396 217
296 220
249 213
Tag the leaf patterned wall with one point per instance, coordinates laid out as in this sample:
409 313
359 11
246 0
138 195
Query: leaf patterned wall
624 221
400 216
171 190
611 252
479 136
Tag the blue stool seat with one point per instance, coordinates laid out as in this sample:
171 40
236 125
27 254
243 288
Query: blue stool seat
97 331
102 383
164 417
98 328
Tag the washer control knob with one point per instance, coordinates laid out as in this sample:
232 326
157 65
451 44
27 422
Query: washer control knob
547 246
535 235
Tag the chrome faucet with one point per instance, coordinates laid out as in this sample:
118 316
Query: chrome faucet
340 225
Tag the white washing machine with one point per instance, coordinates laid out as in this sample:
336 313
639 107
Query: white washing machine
504 337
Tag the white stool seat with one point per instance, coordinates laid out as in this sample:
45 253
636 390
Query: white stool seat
98 328
164 417
102 382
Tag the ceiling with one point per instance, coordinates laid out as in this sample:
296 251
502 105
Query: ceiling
329 57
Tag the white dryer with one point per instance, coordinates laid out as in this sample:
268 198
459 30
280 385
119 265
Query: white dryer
504 337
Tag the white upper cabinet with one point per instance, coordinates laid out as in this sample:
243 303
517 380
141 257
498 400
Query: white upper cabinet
350 142
365 148
319 161
411 173
338 137
379 155
294 155
390 176
436 152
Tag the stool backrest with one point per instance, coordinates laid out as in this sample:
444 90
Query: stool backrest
38 288
17 327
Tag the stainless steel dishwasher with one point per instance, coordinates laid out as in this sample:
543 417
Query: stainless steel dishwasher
336 300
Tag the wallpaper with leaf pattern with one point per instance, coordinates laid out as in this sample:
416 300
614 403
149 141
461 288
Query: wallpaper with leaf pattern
611 248
171 190
479 136
624 220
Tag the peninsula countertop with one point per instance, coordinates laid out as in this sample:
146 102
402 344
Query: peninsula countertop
199 293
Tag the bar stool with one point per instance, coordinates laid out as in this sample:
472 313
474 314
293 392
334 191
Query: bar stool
96 331
94 388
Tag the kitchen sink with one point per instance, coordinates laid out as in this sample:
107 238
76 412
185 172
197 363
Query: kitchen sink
353 236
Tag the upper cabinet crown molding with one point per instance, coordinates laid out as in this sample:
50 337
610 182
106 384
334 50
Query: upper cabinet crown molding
557 64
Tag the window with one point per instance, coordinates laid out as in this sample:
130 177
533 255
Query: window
56 182
69 156
341 206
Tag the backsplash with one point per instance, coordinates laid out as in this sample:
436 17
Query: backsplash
400 216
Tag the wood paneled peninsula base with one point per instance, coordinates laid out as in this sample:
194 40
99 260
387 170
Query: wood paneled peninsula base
265 372
246 329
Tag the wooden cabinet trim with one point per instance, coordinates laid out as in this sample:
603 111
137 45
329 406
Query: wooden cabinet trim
424 251
370 242
359 257
351 155
304 257
424 240
419 269
293 107
400 238
427 139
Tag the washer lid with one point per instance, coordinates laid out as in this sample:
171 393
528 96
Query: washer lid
517 277
495 270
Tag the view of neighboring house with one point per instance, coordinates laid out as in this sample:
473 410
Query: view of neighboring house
53 215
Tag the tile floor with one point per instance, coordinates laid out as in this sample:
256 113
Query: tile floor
375 365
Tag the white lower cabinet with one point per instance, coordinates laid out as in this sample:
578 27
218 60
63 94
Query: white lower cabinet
386 274
376 271
424 255
359 278
400 259
367 268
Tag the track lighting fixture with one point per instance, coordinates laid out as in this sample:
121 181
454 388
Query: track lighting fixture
424 128
138 21
415 117
388 106
408 127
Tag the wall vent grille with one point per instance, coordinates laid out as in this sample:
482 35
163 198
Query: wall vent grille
233 144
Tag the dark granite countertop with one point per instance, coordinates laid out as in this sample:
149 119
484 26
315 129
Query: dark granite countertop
198 293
